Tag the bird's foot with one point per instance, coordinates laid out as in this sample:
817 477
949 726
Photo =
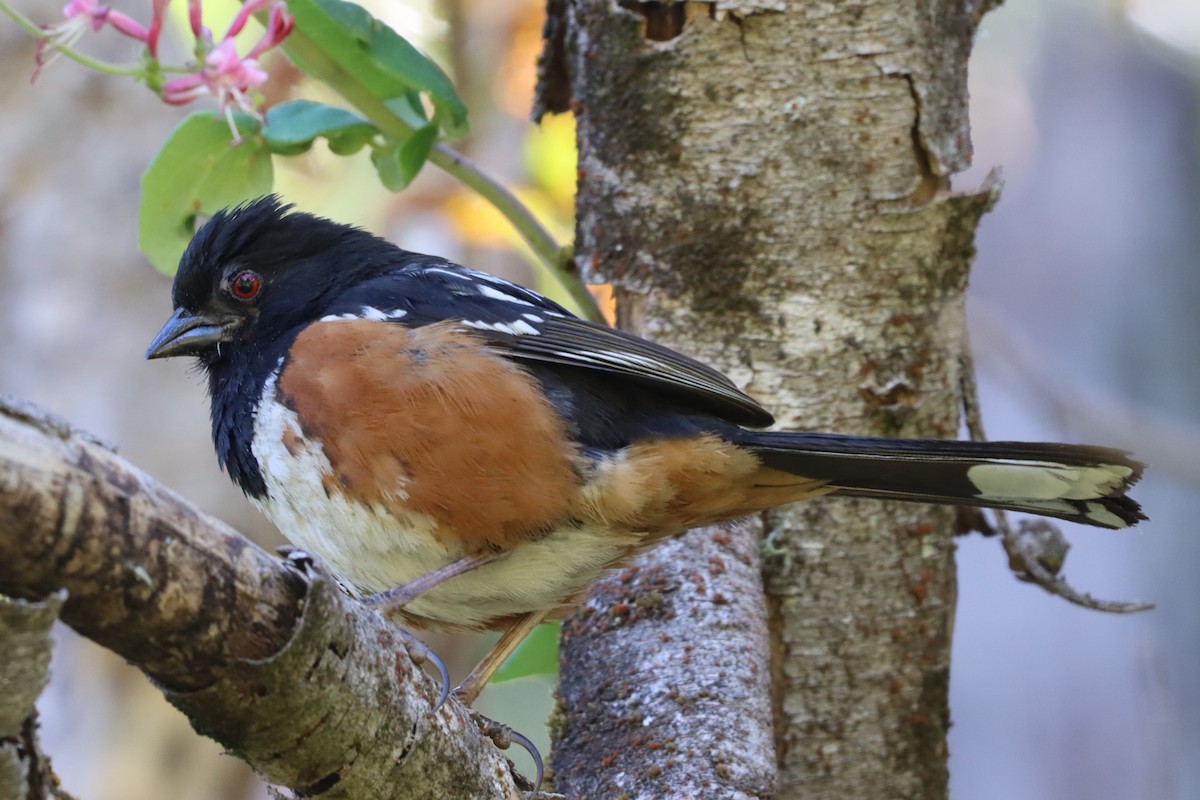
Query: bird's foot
421 654
504 737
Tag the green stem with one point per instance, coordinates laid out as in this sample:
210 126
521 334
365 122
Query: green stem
37 32
556 260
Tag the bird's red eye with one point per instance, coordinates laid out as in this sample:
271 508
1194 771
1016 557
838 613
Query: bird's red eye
245 285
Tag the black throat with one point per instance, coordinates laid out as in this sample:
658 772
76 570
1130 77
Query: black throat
235 387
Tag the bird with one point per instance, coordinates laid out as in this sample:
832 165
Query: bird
466 454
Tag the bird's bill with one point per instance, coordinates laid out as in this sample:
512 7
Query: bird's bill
188 334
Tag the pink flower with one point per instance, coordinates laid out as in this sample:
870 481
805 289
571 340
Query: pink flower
194 19
81 15
159 8
279 25
99 14
225 75
221 72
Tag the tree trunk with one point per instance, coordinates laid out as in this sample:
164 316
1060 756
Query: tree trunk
765 184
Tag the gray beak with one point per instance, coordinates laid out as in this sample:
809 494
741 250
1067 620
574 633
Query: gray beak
187 334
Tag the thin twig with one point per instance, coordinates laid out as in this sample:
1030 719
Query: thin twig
1026 550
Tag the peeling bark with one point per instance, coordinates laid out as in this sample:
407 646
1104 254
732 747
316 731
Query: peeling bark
272 660
767 190
25 642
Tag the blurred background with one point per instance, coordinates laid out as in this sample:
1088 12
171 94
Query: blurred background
1084 319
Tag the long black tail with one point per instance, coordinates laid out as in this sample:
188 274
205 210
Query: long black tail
1080 483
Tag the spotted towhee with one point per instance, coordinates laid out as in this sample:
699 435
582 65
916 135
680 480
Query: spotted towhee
472 455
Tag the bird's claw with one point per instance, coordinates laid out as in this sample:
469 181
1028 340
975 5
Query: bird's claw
504 737
421 654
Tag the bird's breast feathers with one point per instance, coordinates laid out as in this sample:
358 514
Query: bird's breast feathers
373 548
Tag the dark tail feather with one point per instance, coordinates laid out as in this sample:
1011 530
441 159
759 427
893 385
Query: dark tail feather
1080 483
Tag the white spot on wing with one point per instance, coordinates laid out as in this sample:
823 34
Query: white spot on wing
496 294
450 273
484 276
473 275
521 326
613 357
368 312
515 328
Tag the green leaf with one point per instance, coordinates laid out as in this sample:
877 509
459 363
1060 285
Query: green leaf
415 150
197 171
398 165
375 56
292 127
388 167
537 655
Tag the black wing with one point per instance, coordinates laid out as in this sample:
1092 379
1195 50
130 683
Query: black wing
523 325
576 342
